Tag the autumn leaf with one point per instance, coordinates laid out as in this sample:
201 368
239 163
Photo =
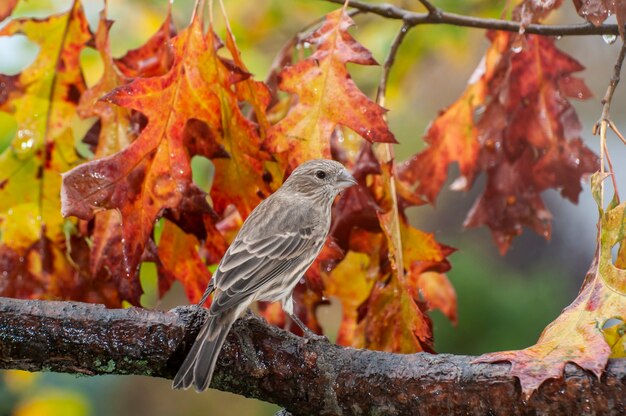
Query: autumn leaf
326 96
576 335
351 281
153 58
453 135
597 11
394 322
366 277
6 7
240 137
153 173
180 260
515 123
256 93
43 99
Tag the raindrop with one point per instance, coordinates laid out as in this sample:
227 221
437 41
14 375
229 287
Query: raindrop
609 39
363 110
558 37
517 48
24 144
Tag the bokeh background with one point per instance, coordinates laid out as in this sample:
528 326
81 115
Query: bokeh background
504 302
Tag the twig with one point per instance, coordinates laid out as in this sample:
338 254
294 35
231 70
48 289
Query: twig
605 119
441 17
616 131
430 7
385 153
391 58
611 171
608 96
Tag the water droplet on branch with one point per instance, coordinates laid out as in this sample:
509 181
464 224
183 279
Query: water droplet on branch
609 39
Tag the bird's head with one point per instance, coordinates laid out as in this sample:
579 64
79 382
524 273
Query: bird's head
320 177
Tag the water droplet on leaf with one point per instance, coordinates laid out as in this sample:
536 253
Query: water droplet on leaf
24 144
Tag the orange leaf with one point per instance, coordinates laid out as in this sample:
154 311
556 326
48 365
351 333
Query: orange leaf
240 136
438 293
327 96
576 335
351 281
153 173
179 260
6 8
43 100
154 58
393 322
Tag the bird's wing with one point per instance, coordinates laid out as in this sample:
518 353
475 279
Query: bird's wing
255 258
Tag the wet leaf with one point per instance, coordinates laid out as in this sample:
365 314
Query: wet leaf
179 260
515 123
597 11
43 99
393 322
355 268
240 137
326 96
153 58
577 334
153 173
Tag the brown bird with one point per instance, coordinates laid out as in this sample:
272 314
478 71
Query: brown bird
275 246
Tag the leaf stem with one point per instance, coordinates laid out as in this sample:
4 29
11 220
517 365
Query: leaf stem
438 16
385 153
605 121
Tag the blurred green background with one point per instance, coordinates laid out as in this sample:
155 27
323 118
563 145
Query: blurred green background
504 302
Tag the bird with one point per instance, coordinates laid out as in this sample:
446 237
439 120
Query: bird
275 246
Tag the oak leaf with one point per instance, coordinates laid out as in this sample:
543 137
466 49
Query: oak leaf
576 335
515 123
43 99
597 11
326 96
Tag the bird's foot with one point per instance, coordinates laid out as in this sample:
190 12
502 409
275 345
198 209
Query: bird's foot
310 335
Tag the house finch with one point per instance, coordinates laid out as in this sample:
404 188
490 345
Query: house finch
275 246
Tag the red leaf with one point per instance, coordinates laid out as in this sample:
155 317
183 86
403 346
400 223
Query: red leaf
327 96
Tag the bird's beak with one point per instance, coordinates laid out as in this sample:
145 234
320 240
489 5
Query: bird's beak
345 180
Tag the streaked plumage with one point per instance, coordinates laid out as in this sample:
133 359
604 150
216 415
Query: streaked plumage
275 246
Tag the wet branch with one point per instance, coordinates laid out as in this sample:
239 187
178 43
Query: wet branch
264 362
438 16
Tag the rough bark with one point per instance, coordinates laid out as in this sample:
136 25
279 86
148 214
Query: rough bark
305 377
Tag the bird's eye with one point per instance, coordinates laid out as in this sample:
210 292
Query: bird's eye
320 174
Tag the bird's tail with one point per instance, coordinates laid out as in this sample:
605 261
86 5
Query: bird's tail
198 367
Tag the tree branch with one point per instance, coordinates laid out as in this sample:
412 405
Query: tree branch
306 378
441 17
